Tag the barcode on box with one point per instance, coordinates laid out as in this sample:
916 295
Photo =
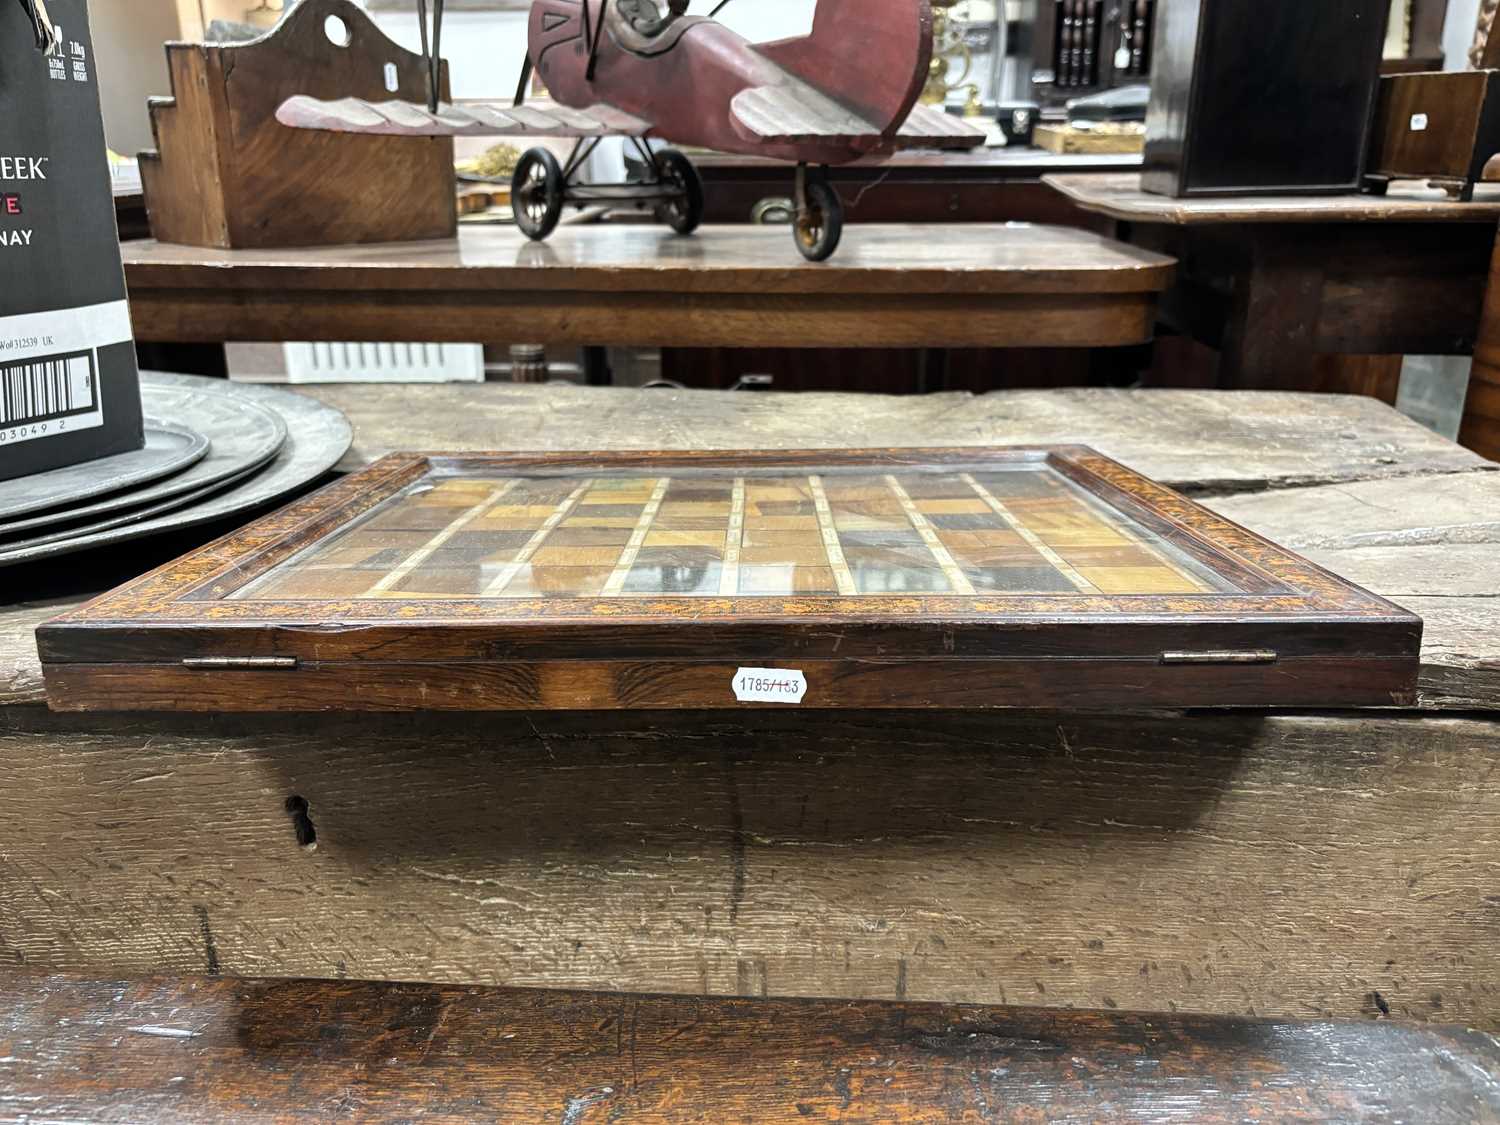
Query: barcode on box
48 395
40 390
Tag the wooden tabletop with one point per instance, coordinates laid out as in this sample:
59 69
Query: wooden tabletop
205 1049
1294 864
892 285
1119 195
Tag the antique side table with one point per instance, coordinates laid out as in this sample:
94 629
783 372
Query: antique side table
1276 282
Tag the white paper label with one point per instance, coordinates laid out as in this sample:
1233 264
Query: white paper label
769 685
1418 122
392 78
33 335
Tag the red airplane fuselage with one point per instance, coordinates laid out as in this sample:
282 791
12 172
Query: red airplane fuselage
684 79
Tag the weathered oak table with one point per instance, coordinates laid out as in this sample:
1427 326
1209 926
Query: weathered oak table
1290 864
206 1050
1275 281
890 286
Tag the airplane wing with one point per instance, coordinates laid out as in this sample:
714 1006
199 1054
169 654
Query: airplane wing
793 112
932 128
407 119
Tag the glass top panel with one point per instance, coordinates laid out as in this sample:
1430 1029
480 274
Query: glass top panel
850 532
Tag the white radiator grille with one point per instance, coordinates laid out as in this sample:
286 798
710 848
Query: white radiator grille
384 363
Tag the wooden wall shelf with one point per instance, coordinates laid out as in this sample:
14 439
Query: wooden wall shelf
225 173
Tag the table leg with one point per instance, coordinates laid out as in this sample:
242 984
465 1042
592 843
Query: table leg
1270 339
528 363
1480 429
596 369
1262 299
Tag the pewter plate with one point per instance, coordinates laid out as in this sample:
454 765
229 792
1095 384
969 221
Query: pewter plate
170 448
242 434
316 437
121 519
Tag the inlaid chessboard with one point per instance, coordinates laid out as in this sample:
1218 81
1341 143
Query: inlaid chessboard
830 531
1019 577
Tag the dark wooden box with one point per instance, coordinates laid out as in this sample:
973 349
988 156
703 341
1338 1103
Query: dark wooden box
1436 127
1265 98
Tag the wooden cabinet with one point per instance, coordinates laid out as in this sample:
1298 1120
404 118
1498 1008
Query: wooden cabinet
1264 98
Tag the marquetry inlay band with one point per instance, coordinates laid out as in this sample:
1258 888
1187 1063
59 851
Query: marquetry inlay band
951 570
413 561
534 544
840 566
1019 527
734 536
632 550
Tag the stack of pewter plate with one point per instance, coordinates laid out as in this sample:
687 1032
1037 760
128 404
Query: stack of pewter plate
213 448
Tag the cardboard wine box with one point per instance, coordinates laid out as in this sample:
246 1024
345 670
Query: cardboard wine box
69 389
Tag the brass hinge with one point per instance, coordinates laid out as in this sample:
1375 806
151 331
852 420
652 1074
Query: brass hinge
1221 656
240 663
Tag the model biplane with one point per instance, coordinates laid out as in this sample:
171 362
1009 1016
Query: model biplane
627 68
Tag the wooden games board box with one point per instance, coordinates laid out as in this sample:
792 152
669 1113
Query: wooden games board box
1019 577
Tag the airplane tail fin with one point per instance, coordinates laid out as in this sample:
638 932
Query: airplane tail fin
870 57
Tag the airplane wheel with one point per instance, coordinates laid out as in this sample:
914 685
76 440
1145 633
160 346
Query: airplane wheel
819 223
536 193
685 212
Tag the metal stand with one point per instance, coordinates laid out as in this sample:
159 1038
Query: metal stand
432 51
651 192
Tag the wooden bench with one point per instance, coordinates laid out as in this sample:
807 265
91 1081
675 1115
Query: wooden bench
206 1049
1289 864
